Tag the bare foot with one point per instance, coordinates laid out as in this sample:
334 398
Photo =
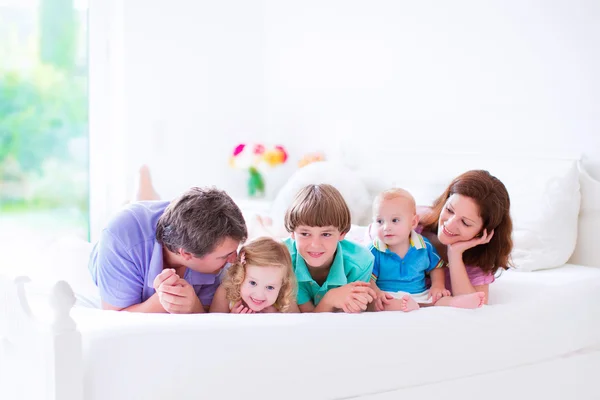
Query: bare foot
473 300
405 304
145 190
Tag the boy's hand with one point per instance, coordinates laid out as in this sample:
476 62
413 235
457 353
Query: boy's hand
179 298
382 299
437 292
353 297
240 308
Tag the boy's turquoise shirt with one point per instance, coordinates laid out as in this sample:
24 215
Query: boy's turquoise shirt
352 263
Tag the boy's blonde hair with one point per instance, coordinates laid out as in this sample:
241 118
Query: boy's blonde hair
262 252
395 193
318 205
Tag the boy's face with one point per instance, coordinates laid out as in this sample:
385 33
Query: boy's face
395 219
317 245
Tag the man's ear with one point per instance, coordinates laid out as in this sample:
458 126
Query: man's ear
415 221
186 256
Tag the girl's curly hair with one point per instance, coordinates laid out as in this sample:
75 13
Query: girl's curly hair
262 252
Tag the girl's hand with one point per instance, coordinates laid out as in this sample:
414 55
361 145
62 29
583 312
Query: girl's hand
459 248
270 309
437 292
240 308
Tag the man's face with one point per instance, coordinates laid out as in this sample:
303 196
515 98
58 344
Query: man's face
212 263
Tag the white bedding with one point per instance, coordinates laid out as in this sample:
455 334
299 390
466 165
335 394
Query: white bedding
534 318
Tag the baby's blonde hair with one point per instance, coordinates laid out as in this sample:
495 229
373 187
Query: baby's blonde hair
262 252
395 193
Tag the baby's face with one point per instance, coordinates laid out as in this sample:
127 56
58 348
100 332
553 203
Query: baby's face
394 219
261 286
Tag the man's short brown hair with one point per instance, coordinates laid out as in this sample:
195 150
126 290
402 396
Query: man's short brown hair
199 220
318 205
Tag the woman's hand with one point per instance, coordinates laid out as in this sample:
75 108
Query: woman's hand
459 248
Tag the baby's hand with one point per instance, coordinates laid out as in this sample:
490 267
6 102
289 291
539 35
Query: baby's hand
240 308
437 292
382 299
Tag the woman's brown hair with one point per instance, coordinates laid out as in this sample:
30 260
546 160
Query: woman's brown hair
491 196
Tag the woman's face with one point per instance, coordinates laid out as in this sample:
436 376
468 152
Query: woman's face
459 220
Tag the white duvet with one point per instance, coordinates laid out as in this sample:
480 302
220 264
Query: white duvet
533 317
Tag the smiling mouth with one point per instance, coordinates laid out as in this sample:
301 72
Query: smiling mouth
447 232
315 255
257 302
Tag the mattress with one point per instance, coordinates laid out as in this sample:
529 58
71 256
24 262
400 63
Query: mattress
533 318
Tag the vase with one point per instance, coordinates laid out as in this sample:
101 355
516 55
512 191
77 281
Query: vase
256 183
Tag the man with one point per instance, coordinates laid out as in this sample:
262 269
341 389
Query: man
160 256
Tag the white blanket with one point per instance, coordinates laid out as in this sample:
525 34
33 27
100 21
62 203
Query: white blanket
534 317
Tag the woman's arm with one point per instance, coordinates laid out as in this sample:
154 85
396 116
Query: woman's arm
461 284
220 304
485 289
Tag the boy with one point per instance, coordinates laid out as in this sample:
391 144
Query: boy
403 258
332 273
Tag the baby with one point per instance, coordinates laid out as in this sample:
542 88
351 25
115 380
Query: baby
403 258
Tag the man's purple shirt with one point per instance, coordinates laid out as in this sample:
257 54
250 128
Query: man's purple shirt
127 258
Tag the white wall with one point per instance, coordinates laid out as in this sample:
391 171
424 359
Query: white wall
200 76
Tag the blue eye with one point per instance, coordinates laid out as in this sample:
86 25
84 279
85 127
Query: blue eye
379 221
270 288
252 283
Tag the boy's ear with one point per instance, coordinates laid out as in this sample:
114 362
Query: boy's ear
342 236
415 221
293 235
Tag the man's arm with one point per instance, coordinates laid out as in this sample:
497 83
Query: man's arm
152 305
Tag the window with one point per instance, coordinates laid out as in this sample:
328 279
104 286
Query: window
44 173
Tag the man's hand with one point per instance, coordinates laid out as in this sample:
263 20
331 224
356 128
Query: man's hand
240 308
382 300
437 292
175 294
167 276
353 297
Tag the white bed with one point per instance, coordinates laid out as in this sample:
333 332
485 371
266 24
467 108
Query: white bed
539 337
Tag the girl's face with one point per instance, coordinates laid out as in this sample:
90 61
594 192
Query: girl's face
261 286
459 220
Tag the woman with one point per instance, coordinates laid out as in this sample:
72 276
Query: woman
470 226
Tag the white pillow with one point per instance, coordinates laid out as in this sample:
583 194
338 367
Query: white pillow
545 211
349 184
